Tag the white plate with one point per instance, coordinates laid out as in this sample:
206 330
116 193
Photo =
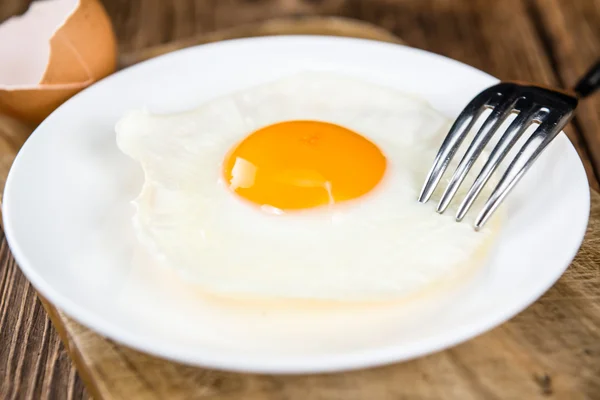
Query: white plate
67 219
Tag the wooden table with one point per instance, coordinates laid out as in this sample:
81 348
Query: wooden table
548 41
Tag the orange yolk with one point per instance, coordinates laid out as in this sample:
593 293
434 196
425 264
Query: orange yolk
301 164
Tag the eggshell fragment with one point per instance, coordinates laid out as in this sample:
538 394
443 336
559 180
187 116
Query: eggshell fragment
54 50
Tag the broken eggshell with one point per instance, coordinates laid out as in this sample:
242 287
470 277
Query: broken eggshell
54 50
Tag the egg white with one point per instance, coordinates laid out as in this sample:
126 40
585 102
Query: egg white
382 246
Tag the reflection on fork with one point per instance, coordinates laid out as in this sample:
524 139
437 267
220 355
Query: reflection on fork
551 109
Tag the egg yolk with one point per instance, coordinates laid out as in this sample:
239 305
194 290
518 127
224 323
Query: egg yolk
296 165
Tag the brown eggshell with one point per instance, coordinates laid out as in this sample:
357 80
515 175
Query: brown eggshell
82 51
35 104
83 48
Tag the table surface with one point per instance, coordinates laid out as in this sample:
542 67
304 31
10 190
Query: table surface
547 41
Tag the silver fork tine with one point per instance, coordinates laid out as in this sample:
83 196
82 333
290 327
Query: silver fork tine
550 126
503 104
516 129
551 109
459 130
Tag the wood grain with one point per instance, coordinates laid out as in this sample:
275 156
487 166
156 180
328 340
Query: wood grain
549 351
8 8
500 37
572 38
33 362
472 31
542 44
304 25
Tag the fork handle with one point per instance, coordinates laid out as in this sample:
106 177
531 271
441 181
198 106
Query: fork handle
590 82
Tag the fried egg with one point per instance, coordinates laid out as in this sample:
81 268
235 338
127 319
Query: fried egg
304 188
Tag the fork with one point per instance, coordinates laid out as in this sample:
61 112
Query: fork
551 109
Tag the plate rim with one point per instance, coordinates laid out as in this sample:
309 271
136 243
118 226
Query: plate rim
362 358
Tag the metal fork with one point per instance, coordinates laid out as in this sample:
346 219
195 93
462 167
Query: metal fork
551 109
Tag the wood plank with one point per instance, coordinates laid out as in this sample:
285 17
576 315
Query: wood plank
465 30
34 363
474 370
8 8
475 32
332 26
549 351
572 37
517 360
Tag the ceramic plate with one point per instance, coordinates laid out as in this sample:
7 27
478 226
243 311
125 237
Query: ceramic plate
67 216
